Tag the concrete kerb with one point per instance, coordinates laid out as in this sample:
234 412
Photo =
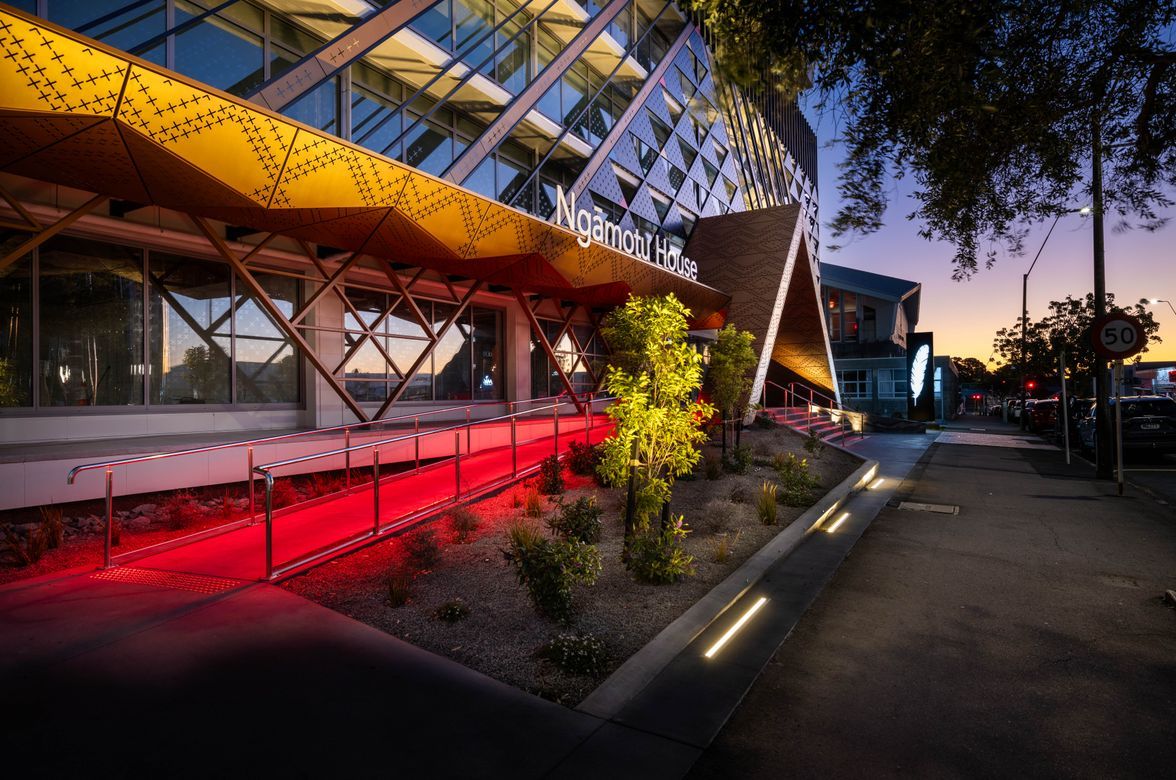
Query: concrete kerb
643 666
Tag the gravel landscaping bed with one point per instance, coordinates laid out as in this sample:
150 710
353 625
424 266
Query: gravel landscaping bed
502 635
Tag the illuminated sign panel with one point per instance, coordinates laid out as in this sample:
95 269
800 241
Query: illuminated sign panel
592 226
921 377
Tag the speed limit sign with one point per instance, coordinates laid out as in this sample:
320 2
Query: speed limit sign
1117 336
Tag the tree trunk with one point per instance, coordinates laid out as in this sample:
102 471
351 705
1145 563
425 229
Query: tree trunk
631 501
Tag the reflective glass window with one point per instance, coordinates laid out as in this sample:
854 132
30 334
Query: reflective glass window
429 147
514 57
435 24
190 310
451 357
318 108
218 52
116 22
91 310
16 327
487 355
267 361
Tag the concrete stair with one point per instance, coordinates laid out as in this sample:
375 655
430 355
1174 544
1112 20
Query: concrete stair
798 419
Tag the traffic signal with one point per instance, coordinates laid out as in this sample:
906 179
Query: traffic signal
1030 385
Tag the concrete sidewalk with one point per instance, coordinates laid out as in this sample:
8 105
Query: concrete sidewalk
1024 636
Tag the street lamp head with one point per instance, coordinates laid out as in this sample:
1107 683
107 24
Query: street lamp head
1085 210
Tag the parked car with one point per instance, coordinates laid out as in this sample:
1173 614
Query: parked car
1014 410
1027 410
1043 416
1149 424
1078 409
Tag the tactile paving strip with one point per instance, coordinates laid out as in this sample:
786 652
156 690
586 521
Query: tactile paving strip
167 579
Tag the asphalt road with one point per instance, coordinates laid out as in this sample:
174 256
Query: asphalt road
1025 636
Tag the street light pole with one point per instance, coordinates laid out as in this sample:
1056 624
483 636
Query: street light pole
1102 420
1025 316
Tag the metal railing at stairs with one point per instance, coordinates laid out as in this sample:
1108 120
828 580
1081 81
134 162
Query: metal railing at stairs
266 472
249 445
797 395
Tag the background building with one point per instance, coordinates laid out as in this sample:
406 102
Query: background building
222 218
869 317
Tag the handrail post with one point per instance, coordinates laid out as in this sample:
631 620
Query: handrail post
347 457
556 410
375 490
456 466
588 423
252 498
109 517
416 440
469 441
269 526
514 447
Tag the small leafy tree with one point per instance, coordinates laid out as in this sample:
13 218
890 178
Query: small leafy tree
654 374
729 376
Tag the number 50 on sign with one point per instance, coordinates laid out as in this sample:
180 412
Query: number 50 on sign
1117 336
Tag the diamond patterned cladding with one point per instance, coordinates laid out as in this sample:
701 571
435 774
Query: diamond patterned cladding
245 147
604 184
642 204
322 172
29 133
95 159
42 70
624 155
159 170
348 231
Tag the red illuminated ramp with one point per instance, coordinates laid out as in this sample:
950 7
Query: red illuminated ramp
317 531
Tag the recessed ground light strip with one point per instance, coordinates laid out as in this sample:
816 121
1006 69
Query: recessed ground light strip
837 523
879 482
725 638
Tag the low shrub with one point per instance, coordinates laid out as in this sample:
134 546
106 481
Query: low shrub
325 484
550 568
464 521
577 521
583 458
796 484
739 495
516 500
452 611
532 503
723 545
399 586
521 534
551 481
715 516
740 460
284 493
766 506
52 527
656 557
182 510
765 422
421 550
228 506
579 654
814 444
712 466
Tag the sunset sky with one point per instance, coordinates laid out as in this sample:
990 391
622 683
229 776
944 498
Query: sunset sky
966 315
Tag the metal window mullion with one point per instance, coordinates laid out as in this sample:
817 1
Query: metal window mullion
170 30
35 270
472 71
605 83
517 109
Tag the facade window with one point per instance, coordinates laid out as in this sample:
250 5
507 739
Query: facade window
122 326
892 383
465 27
841 309
854 383
466 363
869 323
579 359
833 312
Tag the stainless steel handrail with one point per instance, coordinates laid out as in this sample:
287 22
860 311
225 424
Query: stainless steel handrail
109 466
265 471
837 414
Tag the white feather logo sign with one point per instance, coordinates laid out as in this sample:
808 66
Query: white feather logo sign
919 371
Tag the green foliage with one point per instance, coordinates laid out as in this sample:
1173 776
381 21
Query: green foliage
766 506
580 654
654 374
795 481
577 521
521 534
421 550
551 481
656 556
813 444
550 568
741 460
729 375
990 107
464 521
723 545
532 503
583 458
452 611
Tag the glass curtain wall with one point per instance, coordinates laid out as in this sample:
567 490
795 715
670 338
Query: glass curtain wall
122 326
573 361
